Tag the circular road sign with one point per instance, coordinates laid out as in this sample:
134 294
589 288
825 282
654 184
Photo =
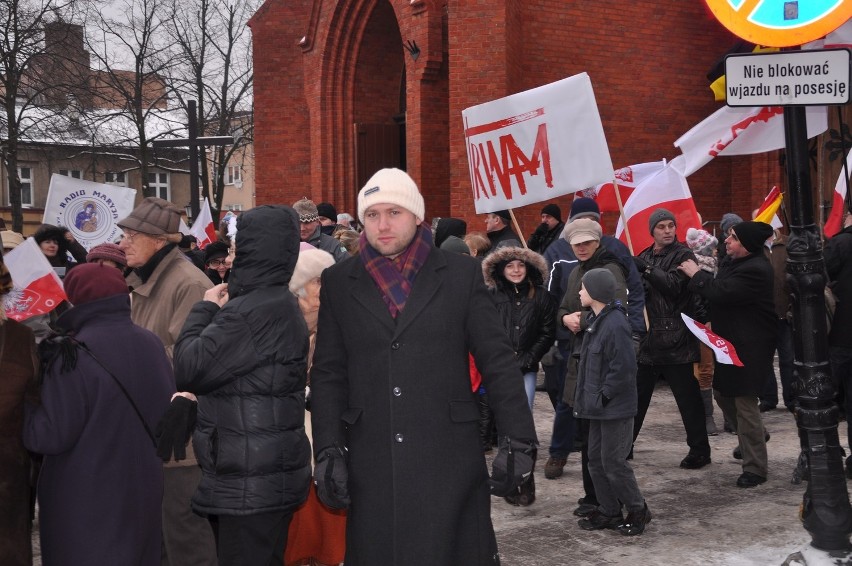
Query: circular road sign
781 23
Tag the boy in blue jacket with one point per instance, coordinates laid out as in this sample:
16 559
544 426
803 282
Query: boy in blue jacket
606 395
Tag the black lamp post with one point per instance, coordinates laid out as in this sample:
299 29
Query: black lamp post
826 512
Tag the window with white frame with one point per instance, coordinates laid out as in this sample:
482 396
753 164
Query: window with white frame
25 174
73 173
233 207
117 178
235 175
159 182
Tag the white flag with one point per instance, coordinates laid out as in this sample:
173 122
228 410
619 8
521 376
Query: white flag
741 131
722 349
536 145
37 289
203 228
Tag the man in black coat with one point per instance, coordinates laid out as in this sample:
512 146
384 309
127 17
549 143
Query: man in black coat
838 263
742 310
395 423
499 232
243 352
549 230
669 349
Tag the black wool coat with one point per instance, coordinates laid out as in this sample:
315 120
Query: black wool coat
397 393
742 310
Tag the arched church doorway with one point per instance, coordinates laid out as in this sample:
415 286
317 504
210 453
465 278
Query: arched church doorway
379 96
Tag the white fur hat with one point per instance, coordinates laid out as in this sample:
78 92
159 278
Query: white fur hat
310 264
391 186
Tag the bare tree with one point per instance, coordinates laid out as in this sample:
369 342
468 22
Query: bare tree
26 61
213 66
133 56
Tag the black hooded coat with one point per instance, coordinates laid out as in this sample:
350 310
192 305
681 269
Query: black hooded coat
246 362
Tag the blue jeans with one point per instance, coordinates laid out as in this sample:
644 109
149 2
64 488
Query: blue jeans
615 482
529 386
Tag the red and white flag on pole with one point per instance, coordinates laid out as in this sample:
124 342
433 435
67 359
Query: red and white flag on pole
667 189
628 178
722 349
203 228
741 131
37 289
834 222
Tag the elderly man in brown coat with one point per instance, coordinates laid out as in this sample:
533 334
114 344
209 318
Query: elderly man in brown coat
164 287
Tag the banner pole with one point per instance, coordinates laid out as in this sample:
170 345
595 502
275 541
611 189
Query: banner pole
517 228
621 214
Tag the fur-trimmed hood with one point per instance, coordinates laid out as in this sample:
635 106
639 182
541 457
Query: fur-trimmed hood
493 264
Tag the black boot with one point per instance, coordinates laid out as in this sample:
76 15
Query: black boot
635 522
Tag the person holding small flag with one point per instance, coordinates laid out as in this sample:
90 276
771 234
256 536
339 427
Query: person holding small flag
742 310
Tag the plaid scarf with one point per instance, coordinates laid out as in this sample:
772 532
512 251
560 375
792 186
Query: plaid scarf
394 277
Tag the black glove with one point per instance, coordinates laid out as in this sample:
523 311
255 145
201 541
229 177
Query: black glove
512 466
641 264
175 428
541 230
605 400
332 477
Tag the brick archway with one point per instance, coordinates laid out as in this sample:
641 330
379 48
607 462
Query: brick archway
337 79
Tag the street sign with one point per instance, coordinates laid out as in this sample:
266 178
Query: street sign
781 23
788 78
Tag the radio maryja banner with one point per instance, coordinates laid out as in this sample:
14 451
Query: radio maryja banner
89 210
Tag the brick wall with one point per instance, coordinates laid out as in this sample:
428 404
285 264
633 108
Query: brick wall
647 61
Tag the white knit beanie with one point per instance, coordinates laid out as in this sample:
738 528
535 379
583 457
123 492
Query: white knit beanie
310 264
391 186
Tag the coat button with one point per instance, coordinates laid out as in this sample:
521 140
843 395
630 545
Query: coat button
395 346
397 391
398 438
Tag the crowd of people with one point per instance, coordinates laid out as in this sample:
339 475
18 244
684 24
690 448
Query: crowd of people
340 380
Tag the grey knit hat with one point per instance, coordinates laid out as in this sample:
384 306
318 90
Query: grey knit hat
306 209
154 216
658 216
600 284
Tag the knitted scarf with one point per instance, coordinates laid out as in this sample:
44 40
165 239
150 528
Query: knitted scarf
395 277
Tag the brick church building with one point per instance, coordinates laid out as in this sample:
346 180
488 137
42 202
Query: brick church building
342 88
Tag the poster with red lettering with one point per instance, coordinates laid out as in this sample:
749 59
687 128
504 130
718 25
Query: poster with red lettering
536 145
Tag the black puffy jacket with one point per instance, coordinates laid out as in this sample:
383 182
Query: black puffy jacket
666 296
528 311
247 364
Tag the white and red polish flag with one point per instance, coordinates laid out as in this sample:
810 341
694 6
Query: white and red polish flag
628 178
203 228
37 289
667 189
722 349
741 131
834 222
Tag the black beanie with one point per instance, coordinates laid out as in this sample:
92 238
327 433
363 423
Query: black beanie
504 214
553 210
327 210
585 206
658 216
215 250
753 235
600 284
